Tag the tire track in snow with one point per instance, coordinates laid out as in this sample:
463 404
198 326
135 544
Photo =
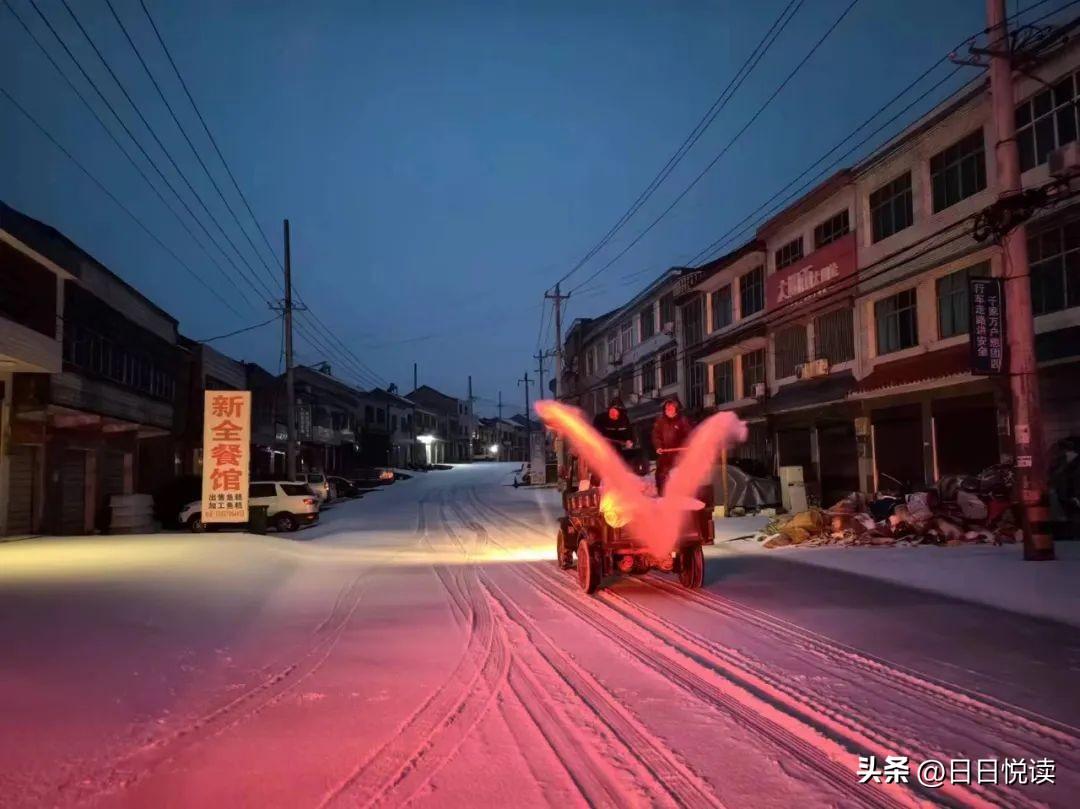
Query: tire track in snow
798 734
1011 724
136 765
433 733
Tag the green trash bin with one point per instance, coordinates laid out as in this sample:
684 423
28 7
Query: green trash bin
257 519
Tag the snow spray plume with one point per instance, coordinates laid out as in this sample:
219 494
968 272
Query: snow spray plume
656 523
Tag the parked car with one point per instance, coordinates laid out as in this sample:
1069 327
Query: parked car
341 487
374 476
289 505
318 483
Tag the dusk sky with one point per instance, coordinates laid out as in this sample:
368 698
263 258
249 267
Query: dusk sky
442 163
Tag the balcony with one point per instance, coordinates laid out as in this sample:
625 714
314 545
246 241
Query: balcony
26 350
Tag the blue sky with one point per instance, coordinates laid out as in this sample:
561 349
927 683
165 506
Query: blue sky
442 163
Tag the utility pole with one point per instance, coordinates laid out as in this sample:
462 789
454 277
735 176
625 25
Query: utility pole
540 356
1031 473
498 430
290 387
528 416
557 298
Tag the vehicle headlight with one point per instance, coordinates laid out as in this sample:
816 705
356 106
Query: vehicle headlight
614 513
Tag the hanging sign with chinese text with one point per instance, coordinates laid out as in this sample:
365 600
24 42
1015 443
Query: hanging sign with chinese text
226 455
986 315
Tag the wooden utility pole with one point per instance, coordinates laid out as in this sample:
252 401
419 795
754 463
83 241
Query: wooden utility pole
1030 458
528 416
290 386
557 298
498 430
540 356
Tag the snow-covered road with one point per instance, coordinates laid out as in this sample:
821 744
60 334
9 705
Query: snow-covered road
420 647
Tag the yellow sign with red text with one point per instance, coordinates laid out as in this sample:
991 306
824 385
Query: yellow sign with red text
226 455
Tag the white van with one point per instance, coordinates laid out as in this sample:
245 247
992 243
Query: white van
318 483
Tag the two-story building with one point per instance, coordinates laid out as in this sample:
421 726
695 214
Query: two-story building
32 277
202 368
452 434
103 423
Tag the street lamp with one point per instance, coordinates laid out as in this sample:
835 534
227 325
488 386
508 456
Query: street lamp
427 441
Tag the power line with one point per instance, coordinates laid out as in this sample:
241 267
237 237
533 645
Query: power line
118 203
730 143
238 331
123 125
161 145
699 129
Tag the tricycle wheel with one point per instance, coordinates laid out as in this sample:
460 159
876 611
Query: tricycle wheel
588 567
564 551
691 566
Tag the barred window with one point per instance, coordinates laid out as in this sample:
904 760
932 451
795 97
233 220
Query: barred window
693 316
752 292
669 369
1054 255
1045 122
897 322
612 346
648 322
724 381
958 171
891 208
753 371
831 229
696 372
789 253
721 308
790 347
834 336
90 352
648 376
626 336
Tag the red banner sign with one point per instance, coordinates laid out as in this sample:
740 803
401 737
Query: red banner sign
226 454
812 275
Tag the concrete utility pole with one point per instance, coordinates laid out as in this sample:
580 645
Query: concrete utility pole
1030 458
498 431
528 416
557 297
540 356
290 387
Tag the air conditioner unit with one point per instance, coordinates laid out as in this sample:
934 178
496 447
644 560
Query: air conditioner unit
710 400
812 369
759 390
1064 162
669 328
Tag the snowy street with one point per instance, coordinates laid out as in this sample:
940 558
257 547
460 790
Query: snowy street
420 646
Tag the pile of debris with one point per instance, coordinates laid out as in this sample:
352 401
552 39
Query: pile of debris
960 510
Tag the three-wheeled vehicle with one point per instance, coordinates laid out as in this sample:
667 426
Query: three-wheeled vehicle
597 539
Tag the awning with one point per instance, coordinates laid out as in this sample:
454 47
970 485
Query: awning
811 392
933 365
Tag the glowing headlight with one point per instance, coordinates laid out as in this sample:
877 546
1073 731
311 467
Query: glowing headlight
614 515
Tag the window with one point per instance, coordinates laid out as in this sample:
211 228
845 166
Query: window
890 208
261 490
1055 268
789 253
834 336
724 381
626 336
669 369
369 414
1045 122
626 385
394 423
753 371
696 372
831 229
295 489
667 310
897 322
694 321
952 300
648 377
721 308
612 346
959 171
752 292
790 350
648 322
589 366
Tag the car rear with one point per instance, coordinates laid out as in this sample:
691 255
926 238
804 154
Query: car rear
319 484
299 500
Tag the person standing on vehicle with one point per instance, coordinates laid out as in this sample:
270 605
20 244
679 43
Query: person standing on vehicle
614 425
669 434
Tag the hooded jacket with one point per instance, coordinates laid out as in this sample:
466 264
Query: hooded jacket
670 433
618 430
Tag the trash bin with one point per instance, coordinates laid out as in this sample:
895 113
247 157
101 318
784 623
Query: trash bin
257 519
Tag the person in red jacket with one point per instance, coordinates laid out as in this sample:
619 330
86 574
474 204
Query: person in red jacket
669 434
